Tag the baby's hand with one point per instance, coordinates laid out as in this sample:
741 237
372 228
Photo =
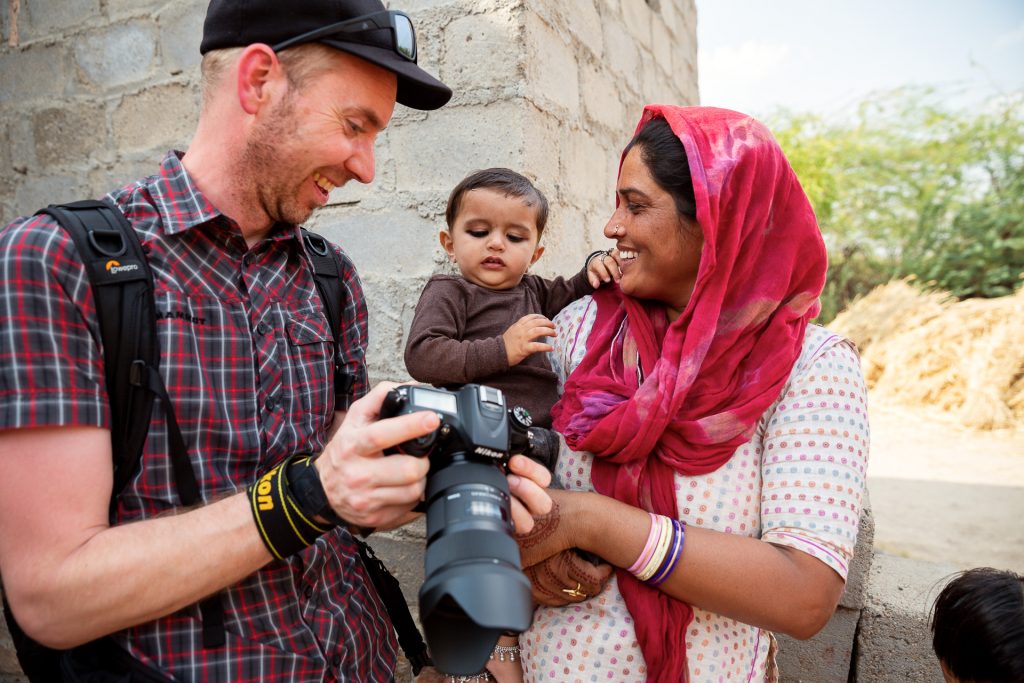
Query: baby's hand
519 339
604 268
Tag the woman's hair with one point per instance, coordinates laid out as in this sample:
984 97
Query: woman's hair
503 180
665 157
978 626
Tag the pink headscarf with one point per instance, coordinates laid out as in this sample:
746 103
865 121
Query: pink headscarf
710 374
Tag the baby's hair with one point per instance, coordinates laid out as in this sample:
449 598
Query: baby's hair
978 626
503 180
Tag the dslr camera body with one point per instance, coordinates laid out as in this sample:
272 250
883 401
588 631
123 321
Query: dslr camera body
474 588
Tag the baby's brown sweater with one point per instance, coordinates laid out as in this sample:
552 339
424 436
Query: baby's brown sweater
456 337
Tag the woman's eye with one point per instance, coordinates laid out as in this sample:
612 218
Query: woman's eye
634 208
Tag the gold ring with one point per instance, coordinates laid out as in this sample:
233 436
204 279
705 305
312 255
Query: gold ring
575 592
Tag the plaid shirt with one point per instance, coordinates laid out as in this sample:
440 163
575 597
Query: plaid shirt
247 356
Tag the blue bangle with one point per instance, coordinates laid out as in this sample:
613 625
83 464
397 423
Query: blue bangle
672 559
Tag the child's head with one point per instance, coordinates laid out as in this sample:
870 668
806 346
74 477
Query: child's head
495 220
978 627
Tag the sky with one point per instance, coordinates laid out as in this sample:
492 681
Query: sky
823 56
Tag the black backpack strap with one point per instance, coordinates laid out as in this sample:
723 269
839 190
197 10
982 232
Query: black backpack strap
327 273
122 285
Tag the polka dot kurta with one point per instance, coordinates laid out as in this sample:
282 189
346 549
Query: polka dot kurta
799 482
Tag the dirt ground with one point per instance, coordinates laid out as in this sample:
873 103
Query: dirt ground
945 494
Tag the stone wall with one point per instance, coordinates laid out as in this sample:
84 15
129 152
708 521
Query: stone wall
96 90
93 92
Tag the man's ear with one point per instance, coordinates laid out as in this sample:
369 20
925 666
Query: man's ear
447 243
260 76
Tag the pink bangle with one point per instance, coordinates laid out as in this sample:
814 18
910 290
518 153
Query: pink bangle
652 542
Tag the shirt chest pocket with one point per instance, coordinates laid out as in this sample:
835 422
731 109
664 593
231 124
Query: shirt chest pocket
311 362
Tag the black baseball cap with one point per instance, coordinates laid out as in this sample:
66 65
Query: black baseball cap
237 23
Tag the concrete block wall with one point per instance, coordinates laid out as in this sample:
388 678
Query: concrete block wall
550 88
894 641
93 92
829 655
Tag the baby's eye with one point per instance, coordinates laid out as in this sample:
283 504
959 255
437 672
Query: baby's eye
516 238
477 233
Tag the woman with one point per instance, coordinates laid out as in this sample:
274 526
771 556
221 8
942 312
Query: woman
697 391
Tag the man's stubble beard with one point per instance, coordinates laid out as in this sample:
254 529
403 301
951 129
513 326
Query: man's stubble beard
265 173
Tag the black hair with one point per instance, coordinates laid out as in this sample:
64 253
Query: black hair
503 180
663 153
978 626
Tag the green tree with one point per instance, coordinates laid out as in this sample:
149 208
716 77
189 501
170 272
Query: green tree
907 186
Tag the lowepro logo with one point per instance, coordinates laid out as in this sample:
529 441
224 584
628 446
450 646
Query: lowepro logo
114 267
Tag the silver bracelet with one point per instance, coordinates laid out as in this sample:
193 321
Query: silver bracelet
476 678
600 253
501 650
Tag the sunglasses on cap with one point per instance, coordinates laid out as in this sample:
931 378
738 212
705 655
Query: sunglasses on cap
403 37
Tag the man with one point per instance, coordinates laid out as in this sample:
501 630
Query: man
294 95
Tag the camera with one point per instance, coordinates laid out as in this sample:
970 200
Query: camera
474 588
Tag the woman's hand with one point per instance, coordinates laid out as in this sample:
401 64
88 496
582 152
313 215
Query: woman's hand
565 578
528 481
552 532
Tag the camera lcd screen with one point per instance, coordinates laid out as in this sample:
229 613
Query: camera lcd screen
435 400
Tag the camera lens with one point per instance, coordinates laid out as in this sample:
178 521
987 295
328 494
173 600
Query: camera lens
473 589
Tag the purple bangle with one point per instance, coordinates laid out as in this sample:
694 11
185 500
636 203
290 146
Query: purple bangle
679 532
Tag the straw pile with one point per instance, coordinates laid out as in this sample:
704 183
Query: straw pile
963 360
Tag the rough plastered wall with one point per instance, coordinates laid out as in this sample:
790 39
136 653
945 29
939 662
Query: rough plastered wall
551 88
93 92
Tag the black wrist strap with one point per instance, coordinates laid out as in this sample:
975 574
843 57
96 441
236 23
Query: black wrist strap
284 528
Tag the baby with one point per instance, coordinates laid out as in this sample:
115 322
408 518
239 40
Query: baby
489 325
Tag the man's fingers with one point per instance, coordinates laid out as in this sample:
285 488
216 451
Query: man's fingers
396 470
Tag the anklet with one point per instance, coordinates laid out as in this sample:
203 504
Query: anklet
501 650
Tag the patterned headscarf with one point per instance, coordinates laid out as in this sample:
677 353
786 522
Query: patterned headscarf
710 374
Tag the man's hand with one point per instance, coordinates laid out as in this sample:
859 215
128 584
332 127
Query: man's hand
519 338
604 268
363 486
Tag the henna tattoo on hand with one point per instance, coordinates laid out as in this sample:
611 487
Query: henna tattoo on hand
543 527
